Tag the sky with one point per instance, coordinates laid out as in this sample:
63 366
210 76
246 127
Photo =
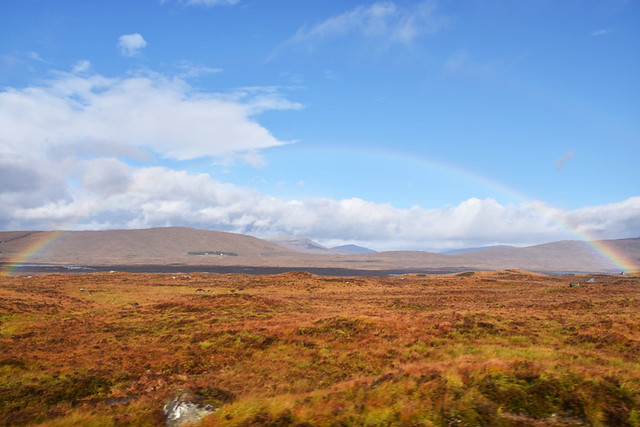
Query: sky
423 125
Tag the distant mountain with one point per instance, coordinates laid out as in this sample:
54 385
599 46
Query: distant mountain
354 248
304 245
465 250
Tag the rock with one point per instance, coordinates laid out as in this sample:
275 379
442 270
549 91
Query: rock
590 280
574 285
185 408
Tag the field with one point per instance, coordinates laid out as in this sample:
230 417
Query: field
478 348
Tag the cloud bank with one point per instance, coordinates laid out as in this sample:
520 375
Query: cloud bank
112 194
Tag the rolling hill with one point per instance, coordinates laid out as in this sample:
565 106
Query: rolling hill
192 247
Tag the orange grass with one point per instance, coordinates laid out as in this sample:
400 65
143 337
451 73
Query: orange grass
485 348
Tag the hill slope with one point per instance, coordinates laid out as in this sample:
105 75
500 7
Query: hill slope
154 245
568 255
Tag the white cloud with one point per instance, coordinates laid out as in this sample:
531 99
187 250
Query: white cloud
380 20
608 221
131 44
81 66
152 112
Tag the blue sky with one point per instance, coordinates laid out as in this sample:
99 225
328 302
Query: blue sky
395 125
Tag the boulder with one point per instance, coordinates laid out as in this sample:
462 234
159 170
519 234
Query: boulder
185 408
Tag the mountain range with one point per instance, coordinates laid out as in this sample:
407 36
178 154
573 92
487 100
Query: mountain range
182 246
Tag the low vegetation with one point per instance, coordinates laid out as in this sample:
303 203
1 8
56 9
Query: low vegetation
493 348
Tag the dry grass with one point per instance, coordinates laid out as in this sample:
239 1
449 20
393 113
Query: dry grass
499 348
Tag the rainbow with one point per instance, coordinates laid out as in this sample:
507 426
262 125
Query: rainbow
34 248
614 257
601 247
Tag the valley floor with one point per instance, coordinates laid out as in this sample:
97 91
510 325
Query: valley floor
477 348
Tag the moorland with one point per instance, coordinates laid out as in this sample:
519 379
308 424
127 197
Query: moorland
498 348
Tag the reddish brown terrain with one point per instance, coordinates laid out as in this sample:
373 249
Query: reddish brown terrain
506 348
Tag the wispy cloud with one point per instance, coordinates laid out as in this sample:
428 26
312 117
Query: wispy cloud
131 44
564 159
210 3
381 20
35 56
456 61
602 32
81 66
189 70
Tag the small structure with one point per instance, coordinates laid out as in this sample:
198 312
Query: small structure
574 285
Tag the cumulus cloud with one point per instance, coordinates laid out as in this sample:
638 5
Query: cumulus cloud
613 220
153 112
381 20
131 44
